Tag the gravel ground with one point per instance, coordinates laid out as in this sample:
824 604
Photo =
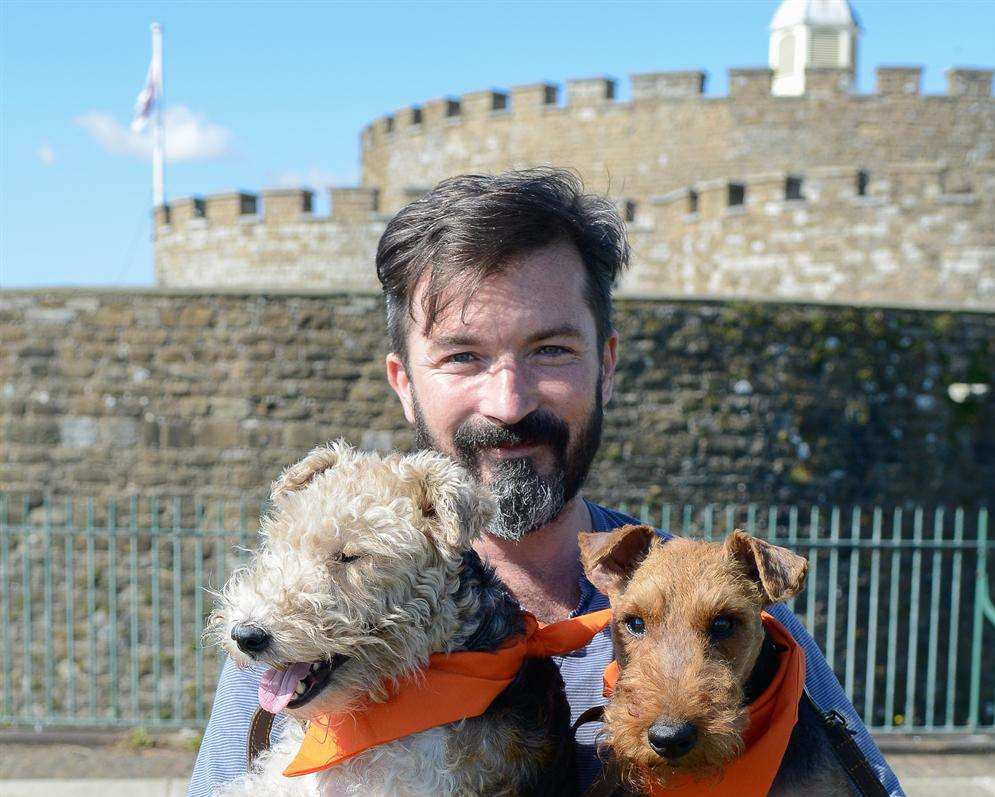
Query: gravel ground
104 761
922 774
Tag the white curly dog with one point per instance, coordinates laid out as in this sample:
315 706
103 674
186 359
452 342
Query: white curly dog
366 569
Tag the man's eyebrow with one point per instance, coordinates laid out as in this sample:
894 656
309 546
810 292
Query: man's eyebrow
456 340
562 331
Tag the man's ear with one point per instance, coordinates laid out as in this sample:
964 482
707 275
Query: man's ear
779 573
610 558
457 506
609 358
319 460
400 380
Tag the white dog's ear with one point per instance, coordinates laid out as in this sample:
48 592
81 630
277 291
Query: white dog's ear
446 492
318 461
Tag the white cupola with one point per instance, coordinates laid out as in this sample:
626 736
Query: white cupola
811 33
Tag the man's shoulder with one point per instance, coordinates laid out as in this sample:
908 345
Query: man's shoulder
605 519
222 755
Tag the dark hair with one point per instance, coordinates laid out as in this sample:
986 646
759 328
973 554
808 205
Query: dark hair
469 227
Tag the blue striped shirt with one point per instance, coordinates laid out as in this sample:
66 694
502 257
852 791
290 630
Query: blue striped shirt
222 755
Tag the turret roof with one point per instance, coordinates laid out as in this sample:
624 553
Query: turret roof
818 13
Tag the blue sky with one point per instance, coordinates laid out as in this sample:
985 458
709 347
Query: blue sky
276 93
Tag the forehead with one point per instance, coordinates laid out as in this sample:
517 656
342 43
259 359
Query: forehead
542 289
680 575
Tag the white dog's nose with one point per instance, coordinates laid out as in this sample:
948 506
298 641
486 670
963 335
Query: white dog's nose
250 638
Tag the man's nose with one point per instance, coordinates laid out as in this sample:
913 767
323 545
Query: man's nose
508 395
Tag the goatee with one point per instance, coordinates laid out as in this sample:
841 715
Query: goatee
527 499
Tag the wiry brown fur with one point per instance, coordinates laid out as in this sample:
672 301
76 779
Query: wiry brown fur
676 671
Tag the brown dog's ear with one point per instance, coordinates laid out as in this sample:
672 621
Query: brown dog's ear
780 573
319 460
610 558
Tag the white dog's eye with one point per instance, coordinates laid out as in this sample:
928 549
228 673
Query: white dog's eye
344 558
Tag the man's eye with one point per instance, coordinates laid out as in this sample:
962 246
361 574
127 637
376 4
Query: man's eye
552 351
461 358
636 625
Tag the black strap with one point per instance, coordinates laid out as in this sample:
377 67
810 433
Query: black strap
593 714
849 754
259 730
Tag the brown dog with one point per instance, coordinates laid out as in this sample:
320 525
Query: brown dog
693 653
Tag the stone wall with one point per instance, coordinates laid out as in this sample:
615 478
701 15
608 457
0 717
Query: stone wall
848 235
670 135
165 393
923 236
270 241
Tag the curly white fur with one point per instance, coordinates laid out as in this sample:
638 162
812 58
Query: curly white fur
407 520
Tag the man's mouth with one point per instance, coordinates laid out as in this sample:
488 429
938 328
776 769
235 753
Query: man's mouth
512 451
296 684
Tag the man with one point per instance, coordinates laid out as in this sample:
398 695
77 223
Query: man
498 293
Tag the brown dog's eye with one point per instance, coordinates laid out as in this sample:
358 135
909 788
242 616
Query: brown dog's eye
722 627
636 625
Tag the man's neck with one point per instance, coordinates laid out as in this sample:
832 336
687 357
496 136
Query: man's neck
542 569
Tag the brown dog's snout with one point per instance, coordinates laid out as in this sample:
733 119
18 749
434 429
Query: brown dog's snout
250 638
672 740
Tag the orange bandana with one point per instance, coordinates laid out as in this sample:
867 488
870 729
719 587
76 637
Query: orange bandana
772 717
453 686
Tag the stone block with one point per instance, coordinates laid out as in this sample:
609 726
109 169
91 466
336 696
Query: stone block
969 82
78 432
750 83
229 208
826 83
285 204
902 80
533 98
217 434
355 204
667 85
590 91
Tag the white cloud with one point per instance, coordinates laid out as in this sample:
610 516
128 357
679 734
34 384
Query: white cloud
45 154
189 136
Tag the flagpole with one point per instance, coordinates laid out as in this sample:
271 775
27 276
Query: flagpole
158 137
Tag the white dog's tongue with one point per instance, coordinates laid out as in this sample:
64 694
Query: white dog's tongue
277 686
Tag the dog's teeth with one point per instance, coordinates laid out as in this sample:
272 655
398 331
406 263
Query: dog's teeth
301 689
314 666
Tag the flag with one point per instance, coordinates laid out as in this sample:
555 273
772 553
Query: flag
147 98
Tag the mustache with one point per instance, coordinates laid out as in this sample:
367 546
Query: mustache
539 426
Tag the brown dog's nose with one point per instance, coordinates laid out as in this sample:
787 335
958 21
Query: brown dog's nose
250 638
672 741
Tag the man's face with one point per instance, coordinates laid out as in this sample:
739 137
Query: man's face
513 386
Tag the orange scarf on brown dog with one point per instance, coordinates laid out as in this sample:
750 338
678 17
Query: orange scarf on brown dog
772 717
454 686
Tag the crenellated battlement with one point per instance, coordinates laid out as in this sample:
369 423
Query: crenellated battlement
829 194
276 206
582 93
829 233
898 184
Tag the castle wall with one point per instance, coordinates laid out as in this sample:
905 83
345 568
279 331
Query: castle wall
234 240
670 135
109 393
850 236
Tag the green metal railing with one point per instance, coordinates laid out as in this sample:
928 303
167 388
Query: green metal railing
102 605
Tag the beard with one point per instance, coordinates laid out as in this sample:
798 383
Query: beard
527 499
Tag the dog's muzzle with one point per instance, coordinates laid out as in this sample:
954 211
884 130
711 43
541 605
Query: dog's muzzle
250 638
672 741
